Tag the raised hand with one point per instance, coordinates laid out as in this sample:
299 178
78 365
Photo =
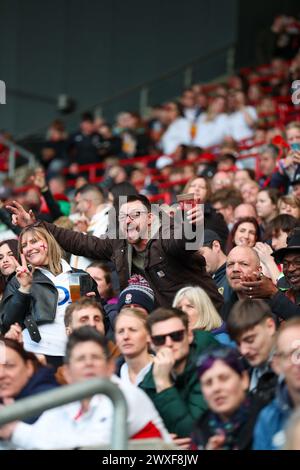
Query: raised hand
38 178
196 214
19 216
264 251
258 286
182 442
296 157
24 275
215 442
15 333
288 160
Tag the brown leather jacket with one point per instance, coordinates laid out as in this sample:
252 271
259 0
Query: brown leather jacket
168 265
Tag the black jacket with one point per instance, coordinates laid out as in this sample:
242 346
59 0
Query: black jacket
40 304
215 221
220 279
41 381
168 265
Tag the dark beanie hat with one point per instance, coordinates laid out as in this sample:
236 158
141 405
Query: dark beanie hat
138 293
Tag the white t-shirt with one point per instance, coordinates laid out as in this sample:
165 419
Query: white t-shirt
66 427
97 226
124 374
177 133
54 338
190 114
238 127
210 133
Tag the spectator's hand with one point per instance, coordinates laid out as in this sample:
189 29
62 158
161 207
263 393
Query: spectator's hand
264 251
296 157
162 365
7 430
24 275
258 286
195 215
81 224
288 160
182 442
20 217
215 442
39 179
15 333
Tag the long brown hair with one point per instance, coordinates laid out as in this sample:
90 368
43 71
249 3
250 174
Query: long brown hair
13 246
251 220
208 186
110 293
19 349
55 253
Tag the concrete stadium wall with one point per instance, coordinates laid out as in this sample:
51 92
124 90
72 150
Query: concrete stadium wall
93 49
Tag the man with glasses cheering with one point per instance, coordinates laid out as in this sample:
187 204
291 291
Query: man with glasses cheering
143 246
172 382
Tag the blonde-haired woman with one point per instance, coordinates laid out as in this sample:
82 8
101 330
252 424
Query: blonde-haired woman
201 312
133 340
289 205
200 187
37 296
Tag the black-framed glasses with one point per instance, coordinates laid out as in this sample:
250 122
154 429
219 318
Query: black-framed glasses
159 340
133 215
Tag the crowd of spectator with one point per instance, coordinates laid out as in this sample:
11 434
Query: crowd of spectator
201 332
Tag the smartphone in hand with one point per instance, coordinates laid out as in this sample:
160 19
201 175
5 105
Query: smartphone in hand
295 146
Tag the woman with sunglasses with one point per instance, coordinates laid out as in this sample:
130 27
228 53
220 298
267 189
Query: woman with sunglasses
38 295
229 422
133 340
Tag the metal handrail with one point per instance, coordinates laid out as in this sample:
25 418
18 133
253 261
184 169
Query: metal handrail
36 404
15 149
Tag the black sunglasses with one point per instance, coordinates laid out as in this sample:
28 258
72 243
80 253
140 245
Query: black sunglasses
159 340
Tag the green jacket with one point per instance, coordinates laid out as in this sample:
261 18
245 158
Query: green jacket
181 405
